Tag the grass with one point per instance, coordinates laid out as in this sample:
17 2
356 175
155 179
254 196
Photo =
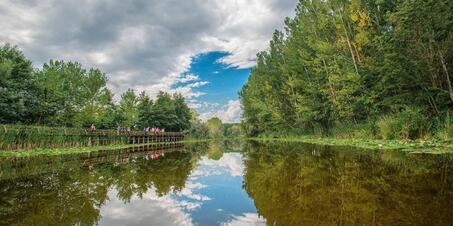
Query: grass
70 150
411 146
432 147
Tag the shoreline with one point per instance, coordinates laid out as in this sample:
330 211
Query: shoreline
431 147
79 150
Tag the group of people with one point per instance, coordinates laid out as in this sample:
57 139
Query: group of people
128 129
123 129
153 155
153 130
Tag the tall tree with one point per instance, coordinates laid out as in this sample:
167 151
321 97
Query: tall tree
342 61
128 107
18 100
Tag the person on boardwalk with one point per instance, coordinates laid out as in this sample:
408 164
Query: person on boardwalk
93 127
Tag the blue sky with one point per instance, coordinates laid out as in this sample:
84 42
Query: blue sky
217 83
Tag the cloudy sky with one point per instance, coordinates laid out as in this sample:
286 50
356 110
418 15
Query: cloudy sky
203 49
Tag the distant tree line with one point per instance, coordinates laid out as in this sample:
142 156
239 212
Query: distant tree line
66 94
214 128
374 68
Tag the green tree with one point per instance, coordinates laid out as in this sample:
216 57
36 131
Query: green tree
144 109
215 127
128 107
18 101
70 95
351 61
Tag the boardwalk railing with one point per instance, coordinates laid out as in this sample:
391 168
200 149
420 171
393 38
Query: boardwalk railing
27 137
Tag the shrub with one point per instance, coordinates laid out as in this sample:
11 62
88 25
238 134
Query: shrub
410 123
444 128
354 130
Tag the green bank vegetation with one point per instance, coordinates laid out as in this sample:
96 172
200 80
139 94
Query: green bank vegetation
432 147
356 70
65 94
214 128
81 150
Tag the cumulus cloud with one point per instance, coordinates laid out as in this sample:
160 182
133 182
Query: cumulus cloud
147 210
145 44
231 163
231 113
246 219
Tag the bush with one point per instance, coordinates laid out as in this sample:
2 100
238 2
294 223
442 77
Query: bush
444 128
351 130
410 123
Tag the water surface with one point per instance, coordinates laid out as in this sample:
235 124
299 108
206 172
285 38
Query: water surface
229 183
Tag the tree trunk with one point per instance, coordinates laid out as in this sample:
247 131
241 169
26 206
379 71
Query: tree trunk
450 89
349 42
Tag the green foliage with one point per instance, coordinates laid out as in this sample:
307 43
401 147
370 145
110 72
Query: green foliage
350 63
232 130
197 129
215 127
349 130
444 128
168 112
411 123
70 95
128 109
18 101
64 94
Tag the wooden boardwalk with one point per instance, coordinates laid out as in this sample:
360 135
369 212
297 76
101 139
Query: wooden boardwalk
28 137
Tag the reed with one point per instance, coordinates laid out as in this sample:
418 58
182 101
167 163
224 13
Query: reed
13 137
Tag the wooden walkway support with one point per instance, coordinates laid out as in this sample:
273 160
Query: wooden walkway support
28 137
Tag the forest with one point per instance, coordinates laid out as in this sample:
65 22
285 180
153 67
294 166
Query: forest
356 69
65 94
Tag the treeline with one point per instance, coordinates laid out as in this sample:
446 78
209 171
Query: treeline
374 68
66 94
214 128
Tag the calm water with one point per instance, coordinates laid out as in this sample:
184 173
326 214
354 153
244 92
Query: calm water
229 184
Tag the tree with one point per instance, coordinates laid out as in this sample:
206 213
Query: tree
18 100
351 61
128 108
215 127
70 95
144 110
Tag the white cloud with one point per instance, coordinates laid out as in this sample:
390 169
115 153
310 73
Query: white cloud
144 45
198 84
187 78
148 210
247 219
230 163
229 114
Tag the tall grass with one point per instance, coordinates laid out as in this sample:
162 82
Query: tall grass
29 137
444 129
351 130
409 124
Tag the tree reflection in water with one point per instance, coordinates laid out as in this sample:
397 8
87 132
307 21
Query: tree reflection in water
315 185
73 194
273 183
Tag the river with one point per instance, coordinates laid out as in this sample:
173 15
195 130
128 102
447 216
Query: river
229 183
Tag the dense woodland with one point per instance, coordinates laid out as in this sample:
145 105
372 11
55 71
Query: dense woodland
68 95
356 68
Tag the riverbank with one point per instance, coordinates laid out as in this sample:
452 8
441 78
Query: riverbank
78 150
434 147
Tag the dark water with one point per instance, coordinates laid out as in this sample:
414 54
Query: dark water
229 183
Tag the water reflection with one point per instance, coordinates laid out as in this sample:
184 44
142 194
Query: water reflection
337 186
229 183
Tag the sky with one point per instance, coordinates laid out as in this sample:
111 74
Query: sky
203 49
